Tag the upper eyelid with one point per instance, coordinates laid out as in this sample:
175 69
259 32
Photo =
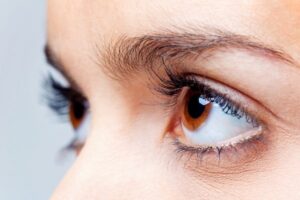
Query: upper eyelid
239 98
58 96
253 108
244 95
54 61
229 92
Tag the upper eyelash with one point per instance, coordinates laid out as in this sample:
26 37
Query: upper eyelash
59 97
175 82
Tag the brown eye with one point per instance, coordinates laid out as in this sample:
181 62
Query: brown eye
196 111
77 112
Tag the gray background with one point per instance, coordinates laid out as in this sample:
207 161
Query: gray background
30 135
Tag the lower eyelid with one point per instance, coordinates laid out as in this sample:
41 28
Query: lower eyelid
239 155
216 159
81 134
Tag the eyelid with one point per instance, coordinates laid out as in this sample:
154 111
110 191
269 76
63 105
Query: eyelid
256 107
230 159
191 81
80 134
60 97
250 106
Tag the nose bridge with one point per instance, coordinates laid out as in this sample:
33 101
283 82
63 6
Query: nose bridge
122 159
117 169
126 159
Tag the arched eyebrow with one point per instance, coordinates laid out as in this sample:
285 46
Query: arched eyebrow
126 55
129 54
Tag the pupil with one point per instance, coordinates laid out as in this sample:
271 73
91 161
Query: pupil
79 109
195 108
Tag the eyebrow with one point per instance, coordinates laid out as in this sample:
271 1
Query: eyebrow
126 55
129 54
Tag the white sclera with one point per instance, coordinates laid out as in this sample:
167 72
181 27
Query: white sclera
217 128
82 131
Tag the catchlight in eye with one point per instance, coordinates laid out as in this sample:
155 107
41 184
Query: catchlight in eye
196 112
211 121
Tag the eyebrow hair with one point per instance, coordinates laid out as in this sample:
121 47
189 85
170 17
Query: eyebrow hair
126 55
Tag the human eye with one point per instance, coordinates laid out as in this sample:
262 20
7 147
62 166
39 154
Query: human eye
68 103
211 122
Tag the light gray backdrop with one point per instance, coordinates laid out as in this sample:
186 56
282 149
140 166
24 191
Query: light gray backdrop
30 135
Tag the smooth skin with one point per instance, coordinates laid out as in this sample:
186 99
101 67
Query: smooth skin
125 156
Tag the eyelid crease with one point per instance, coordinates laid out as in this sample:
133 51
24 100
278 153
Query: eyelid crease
54 61
254 100
250 106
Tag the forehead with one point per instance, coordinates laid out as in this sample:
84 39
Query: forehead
76 26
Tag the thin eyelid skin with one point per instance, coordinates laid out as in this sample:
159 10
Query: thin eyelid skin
165 86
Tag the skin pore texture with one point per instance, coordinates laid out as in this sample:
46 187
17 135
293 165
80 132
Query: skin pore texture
127 154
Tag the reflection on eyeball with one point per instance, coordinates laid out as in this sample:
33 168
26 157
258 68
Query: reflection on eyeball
205 123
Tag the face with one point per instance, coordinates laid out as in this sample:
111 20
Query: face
179 99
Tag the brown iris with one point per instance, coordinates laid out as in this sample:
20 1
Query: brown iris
77 113
196 111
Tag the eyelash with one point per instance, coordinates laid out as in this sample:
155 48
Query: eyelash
59 99
231 151
172 86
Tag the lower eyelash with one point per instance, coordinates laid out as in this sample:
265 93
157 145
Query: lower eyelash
59 99
214 155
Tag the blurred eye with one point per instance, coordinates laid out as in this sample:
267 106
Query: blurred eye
80 134
80 120
67 102
77 112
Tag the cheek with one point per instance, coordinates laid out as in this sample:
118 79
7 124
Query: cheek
121 162
125 156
